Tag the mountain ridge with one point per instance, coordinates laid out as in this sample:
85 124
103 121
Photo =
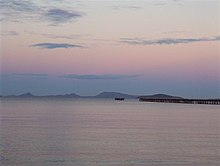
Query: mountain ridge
107 95
160 96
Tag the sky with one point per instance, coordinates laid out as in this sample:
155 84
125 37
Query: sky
89 46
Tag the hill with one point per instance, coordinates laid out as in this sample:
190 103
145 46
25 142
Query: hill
114 95
160 96
30 95
107 95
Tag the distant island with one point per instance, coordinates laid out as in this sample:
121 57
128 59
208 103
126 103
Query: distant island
161 98
105 95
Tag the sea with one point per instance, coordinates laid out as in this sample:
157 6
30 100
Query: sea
105 132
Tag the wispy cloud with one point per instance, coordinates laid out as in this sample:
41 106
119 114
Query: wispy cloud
58 16
160 4
9 33
30 74
99 77
26 10
18 5
166 41
173 32
165 3
4 75
118 7
56 45
53 36
13 9
56 36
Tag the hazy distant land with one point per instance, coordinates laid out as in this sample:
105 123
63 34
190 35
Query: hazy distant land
161 98
100 95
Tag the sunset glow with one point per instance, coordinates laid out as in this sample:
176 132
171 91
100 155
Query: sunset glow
145 46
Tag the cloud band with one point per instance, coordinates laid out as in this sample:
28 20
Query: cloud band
166 41
99 77
56 45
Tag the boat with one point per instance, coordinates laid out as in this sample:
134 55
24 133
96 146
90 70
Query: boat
119 98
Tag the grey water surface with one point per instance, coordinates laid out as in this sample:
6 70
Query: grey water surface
66 132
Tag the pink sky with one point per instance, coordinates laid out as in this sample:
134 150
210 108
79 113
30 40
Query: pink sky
167 40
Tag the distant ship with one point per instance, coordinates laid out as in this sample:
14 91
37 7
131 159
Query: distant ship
118 98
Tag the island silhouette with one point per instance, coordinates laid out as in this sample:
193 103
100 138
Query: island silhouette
159 98
107 95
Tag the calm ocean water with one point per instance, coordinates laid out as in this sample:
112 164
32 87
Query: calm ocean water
106 132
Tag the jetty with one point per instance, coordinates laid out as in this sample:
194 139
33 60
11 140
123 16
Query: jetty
182 100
